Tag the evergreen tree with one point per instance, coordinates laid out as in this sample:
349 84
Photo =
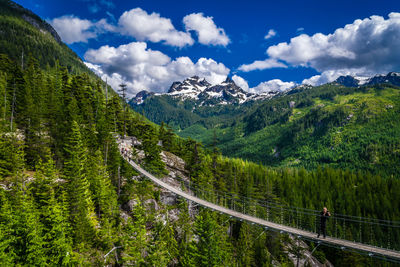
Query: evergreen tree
58 243
134 238
166 136
212 248
83 218
28 229
152 150
104 196
245 246
7 234
163 247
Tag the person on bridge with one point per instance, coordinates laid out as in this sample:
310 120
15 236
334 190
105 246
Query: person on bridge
323 218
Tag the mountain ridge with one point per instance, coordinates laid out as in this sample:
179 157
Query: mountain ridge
198 89
206 94
355 81
40 40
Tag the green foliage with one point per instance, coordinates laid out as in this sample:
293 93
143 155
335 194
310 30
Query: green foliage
211 247
134 239
23 32
7 237
67 178
65 189
335 126
245 245
152 150
83 219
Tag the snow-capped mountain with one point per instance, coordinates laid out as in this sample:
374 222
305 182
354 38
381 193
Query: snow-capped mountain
350 81
189 88
224 93
141 97
203 93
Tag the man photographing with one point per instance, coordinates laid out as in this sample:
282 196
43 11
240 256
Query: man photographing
322 226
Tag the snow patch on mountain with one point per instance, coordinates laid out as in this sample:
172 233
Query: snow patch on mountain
355 81
205 94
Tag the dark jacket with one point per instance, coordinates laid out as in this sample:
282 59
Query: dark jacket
324 217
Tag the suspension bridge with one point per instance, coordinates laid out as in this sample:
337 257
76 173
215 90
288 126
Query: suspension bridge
296 221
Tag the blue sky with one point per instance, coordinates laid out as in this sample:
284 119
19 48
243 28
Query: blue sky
264 45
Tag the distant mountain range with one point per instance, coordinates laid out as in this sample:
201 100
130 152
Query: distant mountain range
203 93
304 126
354 81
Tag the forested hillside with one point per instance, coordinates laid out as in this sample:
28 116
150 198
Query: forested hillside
65 186
23 33
184 114
336 126
67 197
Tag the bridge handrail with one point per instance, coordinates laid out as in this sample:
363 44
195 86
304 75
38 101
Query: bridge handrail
268 204
374 251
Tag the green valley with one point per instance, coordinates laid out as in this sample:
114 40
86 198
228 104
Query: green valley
330 125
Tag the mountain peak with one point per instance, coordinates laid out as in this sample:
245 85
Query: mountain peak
203 93
189 88
195 77
228 80
350 81
394 74
141 97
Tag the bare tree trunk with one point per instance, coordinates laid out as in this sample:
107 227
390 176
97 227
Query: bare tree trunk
12 109
119 181
106 154
106 93
5 100
22 60
123 93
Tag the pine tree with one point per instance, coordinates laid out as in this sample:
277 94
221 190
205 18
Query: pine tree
28 231
83 218
134 238
212 248
33 113
7 234
58 243
245 250
123 94
104 196
152 150
163 246
11 155
166 135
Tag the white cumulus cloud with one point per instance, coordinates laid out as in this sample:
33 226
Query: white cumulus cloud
271 33
272 85
152 27
242 83
208 33
262 65
142 26
73 29
364 47
331 75
144 69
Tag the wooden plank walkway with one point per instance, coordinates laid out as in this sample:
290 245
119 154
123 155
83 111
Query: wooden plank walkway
376 251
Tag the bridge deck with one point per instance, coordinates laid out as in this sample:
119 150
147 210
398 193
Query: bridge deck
287 229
